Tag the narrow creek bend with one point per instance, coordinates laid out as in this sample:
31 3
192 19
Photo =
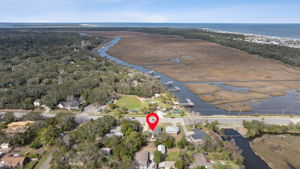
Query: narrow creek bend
251 160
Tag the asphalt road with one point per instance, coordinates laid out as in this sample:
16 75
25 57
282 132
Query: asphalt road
280 120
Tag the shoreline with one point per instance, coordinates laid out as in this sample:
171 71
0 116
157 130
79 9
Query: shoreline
254 38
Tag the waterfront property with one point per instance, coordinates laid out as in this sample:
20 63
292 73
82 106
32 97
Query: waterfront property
198 135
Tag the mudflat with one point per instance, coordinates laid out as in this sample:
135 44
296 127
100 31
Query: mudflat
194 60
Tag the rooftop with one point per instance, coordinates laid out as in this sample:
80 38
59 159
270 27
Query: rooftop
199 134
20 123
142 158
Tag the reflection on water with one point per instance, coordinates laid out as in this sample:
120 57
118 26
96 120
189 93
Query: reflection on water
251 160
289 104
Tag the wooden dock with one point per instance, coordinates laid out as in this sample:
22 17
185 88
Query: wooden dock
175 89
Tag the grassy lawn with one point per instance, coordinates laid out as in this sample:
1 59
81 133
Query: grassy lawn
130 102
189 127
28 150
168 115
30 165
172 154
232 165
135 115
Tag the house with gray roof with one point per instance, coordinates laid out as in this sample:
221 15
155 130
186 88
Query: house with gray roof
198 136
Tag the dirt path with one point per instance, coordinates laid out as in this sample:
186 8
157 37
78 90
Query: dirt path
46 163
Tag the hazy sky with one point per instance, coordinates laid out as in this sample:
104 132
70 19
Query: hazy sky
226 11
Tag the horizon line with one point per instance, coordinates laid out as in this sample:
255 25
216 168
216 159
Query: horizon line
151 22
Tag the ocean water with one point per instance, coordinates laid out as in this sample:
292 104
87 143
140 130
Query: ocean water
277 30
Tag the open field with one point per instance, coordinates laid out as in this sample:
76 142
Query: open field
130 102
195 60
280 152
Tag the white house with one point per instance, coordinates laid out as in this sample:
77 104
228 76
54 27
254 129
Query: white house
172 129
4 146
166 165
162 149
157 95
37 103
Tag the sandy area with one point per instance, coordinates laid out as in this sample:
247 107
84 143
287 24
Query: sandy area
206 62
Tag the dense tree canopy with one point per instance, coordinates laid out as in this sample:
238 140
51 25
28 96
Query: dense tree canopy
51 66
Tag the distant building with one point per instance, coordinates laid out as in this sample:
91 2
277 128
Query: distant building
107 151
143 159
115 132
70 103
37 103
18 127
167 165
198 135
201 161
13 161
172 129
157 95
4 146
162 149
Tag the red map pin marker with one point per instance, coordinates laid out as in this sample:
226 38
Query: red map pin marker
152 119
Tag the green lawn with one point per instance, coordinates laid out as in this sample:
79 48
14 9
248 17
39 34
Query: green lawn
30 165
172 154
189 127
130 102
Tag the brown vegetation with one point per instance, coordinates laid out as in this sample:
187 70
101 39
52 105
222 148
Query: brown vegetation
280 152
207 62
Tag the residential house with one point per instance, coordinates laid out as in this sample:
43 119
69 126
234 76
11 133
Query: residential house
37 103
18 127
198 135
157 130
70 103
201 161
4 146
167 165
143 159
157 95
107 151
172 129
115 132
13 161
162 149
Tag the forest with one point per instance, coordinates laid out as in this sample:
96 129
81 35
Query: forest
51 66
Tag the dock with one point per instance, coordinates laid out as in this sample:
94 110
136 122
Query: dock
175 89
189 103
151 72
169 83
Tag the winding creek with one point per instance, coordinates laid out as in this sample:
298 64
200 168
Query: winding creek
288 104
251 160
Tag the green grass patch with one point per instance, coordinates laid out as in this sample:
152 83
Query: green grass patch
189 127
172 155
30 165
130 102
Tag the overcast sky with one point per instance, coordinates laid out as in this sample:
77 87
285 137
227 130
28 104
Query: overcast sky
202 11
